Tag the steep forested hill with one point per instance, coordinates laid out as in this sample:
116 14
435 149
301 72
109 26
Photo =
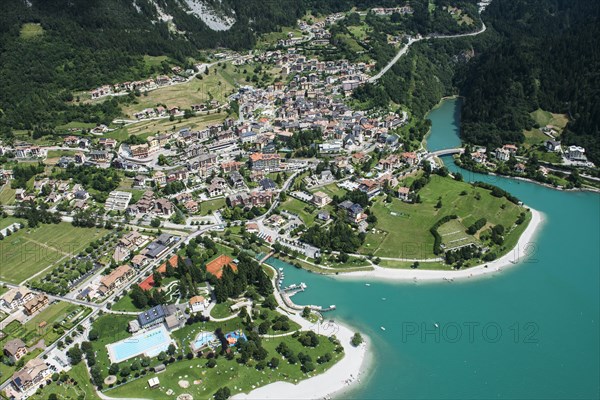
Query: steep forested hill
49 48
545 54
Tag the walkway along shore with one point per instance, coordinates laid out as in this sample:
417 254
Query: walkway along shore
523 252
337 379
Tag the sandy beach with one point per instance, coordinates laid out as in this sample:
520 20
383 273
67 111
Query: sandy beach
340 377
520 253
344 374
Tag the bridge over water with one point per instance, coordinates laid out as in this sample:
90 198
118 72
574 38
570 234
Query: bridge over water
445 152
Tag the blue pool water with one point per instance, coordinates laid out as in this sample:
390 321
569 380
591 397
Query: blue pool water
150 343
202 339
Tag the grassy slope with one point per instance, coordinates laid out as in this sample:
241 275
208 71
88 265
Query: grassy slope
406 235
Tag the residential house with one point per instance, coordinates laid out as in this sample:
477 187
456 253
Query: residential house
237 180
511 148
139 261
409 157
553 145
15 298
15 349
404 193
353 210
389 163
116 278
231 166
163 207
267 184
321 199
38 302
251 199
198 304
370 187
33 373
576 153
502 154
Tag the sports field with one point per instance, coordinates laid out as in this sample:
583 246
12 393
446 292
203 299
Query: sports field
29 251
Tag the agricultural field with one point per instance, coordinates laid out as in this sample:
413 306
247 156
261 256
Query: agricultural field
29 251
7 195
153 127
403 229
270 39
183 95
542 118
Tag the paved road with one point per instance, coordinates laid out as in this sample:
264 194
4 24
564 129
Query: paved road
411 41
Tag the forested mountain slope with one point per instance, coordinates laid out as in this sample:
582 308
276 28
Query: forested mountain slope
544 54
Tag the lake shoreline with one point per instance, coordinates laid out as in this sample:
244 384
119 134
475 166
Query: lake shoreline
516 256
340 378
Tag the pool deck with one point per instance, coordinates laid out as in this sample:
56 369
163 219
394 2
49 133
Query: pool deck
149 351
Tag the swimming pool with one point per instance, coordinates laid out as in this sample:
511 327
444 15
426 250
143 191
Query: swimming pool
202 339
150 343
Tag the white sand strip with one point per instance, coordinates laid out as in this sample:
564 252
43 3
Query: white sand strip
339 377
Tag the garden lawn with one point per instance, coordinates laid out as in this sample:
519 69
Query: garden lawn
125 304
210 206
407 225
70 390
302 209
222 310
29 251
332 190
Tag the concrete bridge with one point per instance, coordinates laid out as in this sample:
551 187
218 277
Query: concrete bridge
445 152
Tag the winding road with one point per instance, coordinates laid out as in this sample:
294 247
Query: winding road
405 48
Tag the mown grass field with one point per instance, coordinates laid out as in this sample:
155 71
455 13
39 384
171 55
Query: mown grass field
534 136
153 127
125 304
28 251
7 195
238 377
183 95
9 220
405 227
300 208
210 206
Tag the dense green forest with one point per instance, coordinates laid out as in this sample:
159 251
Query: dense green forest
53 48
545 54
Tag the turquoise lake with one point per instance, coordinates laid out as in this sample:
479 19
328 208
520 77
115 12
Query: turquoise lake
530 332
